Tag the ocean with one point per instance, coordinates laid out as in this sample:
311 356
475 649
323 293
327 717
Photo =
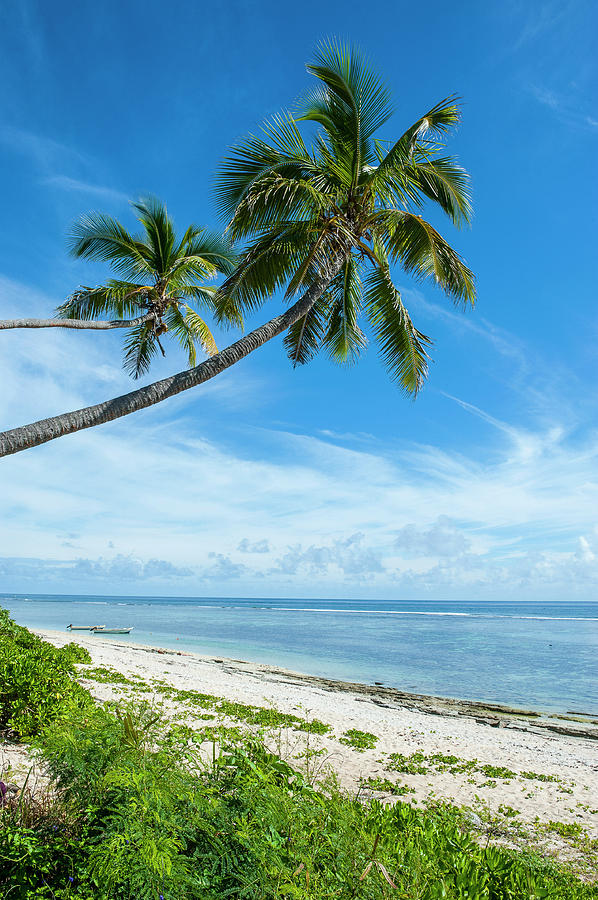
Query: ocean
542 656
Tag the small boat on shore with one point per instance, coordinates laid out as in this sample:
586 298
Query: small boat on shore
83 627
101 629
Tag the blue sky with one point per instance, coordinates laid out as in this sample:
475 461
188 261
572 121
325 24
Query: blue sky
321 481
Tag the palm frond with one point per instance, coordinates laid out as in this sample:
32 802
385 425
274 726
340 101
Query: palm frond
303 339
436 122
424 253
402 347
337 158
352 106
355 92
214 249
140 347
159 230
201 258
120 299
442 180
202 295
277 198
316 256
97 236
254 158
344 338
267 265
190 329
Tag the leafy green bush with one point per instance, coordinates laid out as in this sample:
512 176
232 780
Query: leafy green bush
37 680
76 653
42 848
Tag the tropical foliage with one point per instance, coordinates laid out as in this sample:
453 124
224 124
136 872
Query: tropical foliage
349 204
37 680
161 277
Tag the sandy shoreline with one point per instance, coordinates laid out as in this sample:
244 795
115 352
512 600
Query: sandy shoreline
404 724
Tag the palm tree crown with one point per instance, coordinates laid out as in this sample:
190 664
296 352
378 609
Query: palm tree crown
347 206
161 278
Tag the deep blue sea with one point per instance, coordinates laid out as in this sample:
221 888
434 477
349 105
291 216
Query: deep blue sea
539 655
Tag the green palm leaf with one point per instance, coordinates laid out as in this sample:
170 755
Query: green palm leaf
119 299
436 122
159 233
212 249
190 330
254 159
173 269
303 339
424 253
344 338
353 106
140 347
440 179
402 347
100 237
268 264
348 200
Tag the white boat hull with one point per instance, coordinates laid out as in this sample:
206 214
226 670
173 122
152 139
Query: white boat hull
83 627
112 630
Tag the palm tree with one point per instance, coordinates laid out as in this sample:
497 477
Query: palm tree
348 206
162 281
326 223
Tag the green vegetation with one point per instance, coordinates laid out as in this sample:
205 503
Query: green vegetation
263 717
565 829
162 284
419 764
138 822
141 812
106 675
37 680
331 212
359 740
408 765
387 786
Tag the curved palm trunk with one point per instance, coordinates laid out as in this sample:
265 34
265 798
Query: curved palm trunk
48 429
98 325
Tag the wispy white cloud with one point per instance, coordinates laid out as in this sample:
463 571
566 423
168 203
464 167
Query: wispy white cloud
45 152
74 185
349 557
443 538
538 18
418 515
569 108
501 341
52 159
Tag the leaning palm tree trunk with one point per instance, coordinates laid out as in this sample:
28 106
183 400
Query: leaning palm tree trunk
48 429
99 325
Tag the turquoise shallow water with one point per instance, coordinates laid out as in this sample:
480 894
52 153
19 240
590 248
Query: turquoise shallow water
540 655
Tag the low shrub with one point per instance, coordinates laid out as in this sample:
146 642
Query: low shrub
37 680
359 740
